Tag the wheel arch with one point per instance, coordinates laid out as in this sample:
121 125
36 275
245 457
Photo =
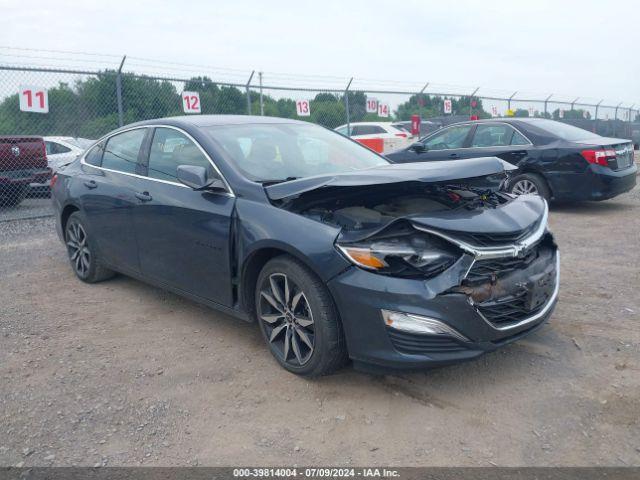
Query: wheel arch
66 213
252 266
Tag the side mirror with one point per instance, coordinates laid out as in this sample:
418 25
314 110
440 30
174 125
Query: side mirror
197 178
418 147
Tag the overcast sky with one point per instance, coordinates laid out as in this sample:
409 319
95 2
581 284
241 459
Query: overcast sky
576 48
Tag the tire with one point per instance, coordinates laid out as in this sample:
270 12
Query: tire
309 322
530 183
14 196
83 255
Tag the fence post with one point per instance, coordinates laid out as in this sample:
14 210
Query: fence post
595 123
471 102
261 103
346 106
546 100
420 100
248 93
615 120
509 101
119 92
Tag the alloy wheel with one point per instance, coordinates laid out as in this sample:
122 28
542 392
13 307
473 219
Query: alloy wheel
78 249
286 315
523 187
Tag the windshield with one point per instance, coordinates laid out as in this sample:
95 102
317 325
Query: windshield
564 131
280 152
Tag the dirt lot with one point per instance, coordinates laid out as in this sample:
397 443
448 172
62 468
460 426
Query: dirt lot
121 373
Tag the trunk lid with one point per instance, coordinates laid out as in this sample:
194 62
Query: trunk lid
623 151
21 153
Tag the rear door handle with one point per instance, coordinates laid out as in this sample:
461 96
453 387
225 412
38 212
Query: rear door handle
143 196
453 155
90 184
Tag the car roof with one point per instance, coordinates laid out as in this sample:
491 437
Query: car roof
57 139
217 120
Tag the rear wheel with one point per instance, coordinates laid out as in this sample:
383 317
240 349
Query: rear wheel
298 319
530 183
82 252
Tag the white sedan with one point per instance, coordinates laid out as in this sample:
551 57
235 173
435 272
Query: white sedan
393 138
60 152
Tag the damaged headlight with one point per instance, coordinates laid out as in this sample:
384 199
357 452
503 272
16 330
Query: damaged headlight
408 255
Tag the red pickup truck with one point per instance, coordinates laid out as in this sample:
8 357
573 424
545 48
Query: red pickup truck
23 160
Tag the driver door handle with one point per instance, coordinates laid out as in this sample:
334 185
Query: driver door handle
453 155
90 184
143 196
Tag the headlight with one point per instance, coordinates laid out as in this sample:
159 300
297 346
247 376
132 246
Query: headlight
412 254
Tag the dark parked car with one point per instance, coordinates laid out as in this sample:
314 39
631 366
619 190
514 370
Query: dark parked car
335 252
23 160
555 160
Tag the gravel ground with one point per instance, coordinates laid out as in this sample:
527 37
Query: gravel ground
121 373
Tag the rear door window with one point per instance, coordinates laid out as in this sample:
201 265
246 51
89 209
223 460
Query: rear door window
488 135
122 150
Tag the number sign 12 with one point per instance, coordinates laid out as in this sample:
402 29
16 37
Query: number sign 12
34 99
191 102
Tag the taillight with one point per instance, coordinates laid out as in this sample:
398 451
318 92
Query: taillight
599 157
403 135
54 179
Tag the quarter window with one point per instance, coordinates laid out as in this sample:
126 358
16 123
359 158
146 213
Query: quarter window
94 156
452 137
519 139
171 148
121 151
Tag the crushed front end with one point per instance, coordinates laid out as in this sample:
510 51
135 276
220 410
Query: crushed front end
438 289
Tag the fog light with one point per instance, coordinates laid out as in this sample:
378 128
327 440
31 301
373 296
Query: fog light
408 322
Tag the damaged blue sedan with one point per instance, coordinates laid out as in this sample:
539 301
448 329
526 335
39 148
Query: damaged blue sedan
334 252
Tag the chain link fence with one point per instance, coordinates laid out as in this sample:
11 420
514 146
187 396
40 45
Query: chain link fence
49 116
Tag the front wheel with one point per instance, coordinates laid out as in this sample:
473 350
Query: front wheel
298 319
530 183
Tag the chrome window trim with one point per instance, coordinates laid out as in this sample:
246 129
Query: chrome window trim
110 135
530 144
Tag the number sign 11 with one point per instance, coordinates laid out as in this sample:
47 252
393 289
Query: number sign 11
34 99
191 102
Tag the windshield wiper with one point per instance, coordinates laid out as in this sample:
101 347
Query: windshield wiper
266 183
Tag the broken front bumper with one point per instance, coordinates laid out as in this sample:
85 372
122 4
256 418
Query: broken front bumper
486 314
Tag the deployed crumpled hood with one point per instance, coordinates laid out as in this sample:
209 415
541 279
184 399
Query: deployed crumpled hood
514 216
428 172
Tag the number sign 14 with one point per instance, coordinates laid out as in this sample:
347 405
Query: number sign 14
34 99
191 102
